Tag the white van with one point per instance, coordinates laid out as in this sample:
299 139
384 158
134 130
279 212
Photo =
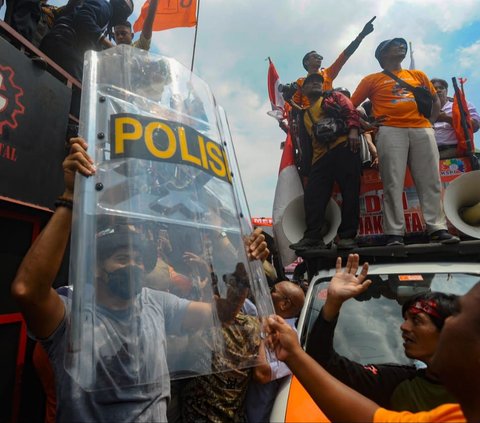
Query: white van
368 327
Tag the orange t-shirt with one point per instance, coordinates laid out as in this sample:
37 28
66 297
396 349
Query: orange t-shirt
448 413
390 99
329 74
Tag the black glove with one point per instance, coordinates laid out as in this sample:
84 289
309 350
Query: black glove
367 29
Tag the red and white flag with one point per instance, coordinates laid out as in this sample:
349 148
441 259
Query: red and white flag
287 203
276 99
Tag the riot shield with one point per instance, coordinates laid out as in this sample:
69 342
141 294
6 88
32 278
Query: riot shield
159 267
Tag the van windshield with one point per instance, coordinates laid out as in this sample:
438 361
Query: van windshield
368 329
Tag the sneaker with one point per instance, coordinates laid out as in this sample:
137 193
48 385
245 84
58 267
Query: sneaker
394 240
443 237
308 243
346 244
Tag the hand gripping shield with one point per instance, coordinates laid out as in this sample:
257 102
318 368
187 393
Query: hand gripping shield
163 223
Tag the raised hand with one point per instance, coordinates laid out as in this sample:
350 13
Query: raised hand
368 28
238 284
345 284
77 160
256 246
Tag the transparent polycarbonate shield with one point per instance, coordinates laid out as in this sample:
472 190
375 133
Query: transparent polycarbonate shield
159 262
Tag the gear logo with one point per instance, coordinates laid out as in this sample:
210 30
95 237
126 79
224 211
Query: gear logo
10 94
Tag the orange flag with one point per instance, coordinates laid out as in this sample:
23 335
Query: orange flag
169 14
462 122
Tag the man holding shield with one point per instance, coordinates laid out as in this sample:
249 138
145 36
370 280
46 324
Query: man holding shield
130 376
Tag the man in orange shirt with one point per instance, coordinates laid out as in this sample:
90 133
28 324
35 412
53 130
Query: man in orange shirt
312 63
405 137
455 362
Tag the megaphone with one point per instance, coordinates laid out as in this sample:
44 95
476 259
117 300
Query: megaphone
461 203
293 221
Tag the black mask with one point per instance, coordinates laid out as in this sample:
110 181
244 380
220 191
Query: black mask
126 282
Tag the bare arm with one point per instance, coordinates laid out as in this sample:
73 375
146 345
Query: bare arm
148 24
329 394
41 306
263 372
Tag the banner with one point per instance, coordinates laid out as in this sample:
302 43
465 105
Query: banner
370 230
170 14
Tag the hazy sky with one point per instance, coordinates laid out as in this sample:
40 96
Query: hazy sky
235 37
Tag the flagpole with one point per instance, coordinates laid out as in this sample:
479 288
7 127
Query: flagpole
412 60
195 38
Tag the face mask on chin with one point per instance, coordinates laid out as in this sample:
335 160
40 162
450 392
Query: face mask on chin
126 282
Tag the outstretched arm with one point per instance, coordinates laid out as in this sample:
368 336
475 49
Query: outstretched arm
367 29
337 401
333 70
41 306
148 23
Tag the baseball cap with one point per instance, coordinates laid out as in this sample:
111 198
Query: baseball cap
385 44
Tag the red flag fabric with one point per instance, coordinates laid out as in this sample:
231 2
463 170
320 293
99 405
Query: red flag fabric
169 14
462 147
288 198
276 99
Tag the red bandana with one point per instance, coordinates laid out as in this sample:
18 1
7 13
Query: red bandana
429 307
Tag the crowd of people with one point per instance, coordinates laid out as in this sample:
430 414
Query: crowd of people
176 298
65 33
406 130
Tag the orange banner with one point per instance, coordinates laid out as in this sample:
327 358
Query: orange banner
169 14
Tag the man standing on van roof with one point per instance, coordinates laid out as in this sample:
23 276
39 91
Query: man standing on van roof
312 63
335 158
444 131
406 137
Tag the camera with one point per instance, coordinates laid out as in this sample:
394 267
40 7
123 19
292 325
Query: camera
288 90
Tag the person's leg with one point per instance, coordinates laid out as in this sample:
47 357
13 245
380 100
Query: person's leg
392 148
317 194
423 163
347 174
